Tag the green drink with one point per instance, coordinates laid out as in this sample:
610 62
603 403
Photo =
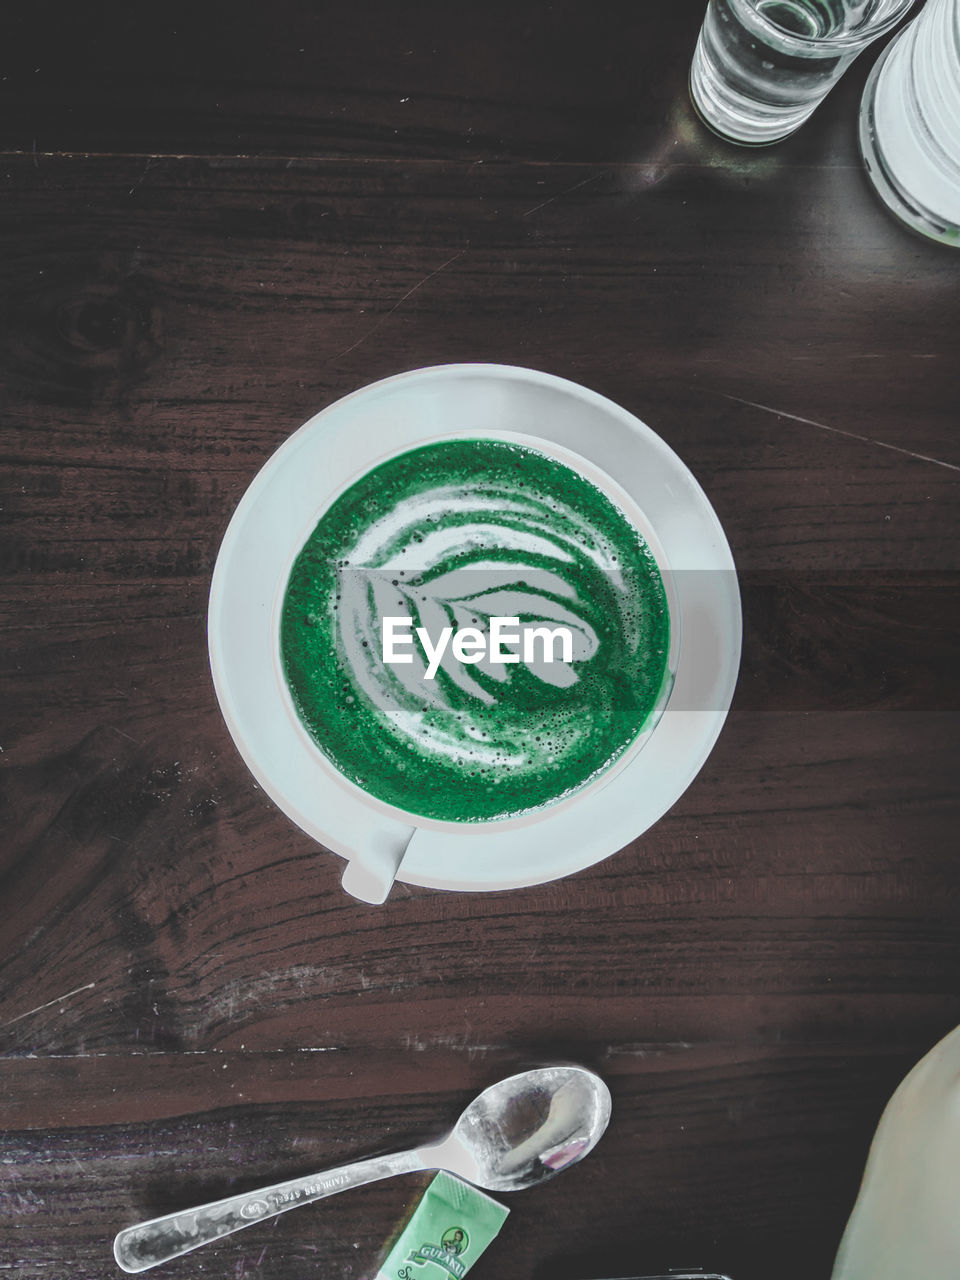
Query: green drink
474 538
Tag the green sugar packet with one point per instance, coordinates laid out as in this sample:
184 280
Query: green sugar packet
450 1228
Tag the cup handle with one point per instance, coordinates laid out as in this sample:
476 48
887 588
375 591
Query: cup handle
371 871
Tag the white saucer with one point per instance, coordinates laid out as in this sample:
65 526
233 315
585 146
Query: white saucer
280 508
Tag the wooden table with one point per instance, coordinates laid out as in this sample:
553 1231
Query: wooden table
218 220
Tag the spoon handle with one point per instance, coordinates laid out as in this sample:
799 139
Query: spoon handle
149 1243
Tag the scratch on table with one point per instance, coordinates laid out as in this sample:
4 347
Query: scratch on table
146 169
113 728
875 355
20 1202
649 1050
458 1043
40 1007
180 1054
399 303
560 194
273 987
851 435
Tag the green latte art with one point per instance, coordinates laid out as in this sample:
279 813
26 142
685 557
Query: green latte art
452 535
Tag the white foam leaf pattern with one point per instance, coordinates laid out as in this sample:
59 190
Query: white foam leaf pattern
455 599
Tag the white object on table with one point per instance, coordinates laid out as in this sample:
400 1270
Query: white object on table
910 124
905 1224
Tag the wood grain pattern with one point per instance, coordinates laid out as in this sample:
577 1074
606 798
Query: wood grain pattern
217 222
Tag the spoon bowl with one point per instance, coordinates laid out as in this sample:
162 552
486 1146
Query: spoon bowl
529 1127
515 1134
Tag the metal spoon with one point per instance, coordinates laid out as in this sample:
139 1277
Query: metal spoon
513 1135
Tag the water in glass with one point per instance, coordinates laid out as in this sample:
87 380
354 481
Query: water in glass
761 67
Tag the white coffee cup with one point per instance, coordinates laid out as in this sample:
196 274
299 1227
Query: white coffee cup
373 868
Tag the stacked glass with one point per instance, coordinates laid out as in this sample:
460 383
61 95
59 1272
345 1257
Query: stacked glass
910 123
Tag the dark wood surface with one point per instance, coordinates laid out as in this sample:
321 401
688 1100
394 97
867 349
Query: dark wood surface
219 219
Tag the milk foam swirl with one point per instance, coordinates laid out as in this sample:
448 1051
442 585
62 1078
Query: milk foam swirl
452 535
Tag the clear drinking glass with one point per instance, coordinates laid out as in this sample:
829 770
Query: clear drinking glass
910 123
761 67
